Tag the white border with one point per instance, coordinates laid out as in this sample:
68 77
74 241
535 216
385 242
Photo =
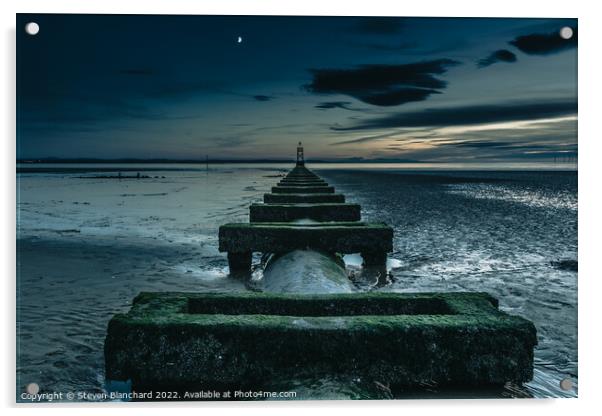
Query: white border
589 187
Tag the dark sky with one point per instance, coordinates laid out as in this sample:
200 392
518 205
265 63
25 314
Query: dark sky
427 89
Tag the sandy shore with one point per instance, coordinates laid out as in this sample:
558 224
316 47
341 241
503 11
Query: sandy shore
88 247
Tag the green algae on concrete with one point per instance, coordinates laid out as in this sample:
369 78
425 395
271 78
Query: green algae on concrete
292 212
302 183
303 198
336 237
301 171
301 176
280 189
184 341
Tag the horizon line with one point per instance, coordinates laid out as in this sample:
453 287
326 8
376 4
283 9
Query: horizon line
570 160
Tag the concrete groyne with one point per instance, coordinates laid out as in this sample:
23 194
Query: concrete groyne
181 342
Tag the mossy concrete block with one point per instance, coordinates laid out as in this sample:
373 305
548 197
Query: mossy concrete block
292 212
301 176
296 180
281 189
300 171
303 198
186 341
336 237
302 182
310 177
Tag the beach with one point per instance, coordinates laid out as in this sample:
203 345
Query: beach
87 246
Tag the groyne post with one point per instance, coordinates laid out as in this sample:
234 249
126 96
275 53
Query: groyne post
239 263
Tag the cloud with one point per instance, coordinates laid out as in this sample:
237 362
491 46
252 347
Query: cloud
529 140
545 43
379 25
501 55
326 105
524 149
364 139
470 115
480 144
263 97
383 85
399 96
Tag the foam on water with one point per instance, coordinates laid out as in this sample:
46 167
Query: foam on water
305 271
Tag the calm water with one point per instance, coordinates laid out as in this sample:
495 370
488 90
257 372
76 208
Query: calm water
86 247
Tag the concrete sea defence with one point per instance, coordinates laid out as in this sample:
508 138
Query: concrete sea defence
187 341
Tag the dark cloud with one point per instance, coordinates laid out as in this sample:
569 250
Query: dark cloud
501 55
545 43
379 25
470 115
263 97
335 104
398 96
383 85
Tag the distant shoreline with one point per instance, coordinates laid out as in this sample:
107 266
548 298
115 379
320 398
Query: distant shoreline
91 168
204 161
38 165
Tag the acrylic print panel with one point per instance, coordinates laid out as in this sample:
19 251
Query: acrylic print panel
278 208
